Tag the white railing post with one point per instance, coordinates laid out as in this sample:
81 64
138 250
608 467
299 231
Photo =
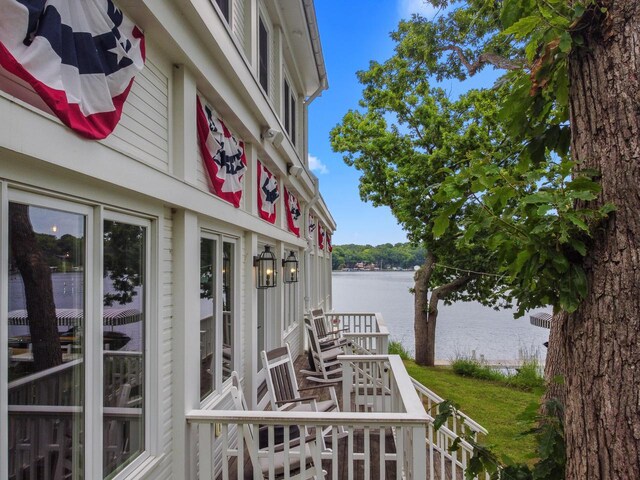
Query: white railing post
347 385
419 442
206 450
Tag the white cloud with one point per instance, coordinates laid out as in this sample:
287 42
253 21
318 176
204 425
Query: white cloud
408 7
317 166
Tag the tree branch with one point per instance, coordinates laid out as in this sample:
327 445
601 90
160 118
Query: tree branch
484 58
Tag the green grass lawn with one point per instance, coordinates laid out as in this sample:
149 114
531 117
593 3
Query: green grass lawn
494 406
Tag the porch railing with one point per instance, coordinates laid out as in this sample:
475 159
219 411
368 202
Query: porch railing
366 332
386 432
373 388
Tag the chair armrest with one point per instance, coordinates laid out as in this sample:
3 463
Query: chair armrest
332 384
294 400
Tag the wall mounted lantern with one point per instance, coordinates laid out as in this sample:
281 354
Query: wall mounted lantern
266 264
290 268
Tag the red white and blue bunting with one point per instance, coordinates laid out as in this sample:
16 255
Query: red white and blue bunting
329 244
312 225
268 194
293 212
321 237
80 57
223 155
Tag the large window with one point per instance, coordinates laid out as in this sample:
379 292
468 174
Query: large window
217 312
72 318
263 55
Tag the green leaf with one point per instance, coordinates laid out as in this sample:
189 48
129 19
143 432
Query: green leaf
579 247
440 225
523 27
565 42
584 184
521 259
577 221
544 209
538 197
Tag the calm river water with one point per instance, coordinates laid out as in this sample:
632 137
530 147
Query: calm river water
461 328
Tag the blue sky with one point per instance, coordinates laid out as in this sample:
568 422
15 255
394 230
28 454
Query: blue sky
353 33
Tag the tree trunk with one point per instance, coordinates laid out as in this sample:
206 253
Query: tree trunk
38 290
554 369
426 310
601 341
424 335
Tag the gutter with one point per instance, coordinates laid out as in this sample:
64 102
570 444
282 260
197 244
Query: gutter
309 238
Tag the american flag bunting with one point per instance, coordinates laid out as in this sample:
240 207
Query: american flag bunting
79 56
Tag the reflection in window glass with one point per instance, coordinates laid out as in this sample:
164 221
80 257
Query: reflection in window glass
263 55
207 314
123 340
228 293
46 342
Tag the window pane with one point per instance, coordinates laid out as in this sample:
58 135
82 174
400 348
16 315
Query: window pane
46 342
228 265
263 45
287 110
224 8
207 314
123 343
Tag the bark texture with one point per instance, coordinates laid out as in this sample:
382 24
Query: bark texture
38 289
423 331
554 369
601 341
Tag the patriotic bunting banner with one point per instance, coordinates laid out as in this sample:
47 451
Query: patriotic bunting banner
329 245
312 225
267 194
321 236
80 56
293 212
222 154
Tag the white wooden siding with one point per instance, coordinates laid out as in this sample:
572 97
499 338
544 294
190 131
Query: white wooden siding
166 338
239 22
293 339
143 131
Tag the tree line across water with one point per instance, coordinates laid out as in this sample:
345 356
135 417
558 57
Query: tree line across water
385 257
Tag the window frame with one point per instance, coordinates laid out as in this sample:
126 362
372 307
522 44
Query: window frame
289 108
218 384
95 214
265 24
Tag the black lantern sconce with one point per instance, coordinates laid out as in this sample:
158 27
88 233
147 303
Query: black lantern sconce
290 268
266 264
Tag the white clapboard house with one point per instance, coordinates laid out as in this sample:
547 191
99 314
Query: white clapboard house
159 228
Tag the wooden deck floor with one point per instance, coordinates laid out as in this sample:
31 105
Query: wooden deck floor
357 466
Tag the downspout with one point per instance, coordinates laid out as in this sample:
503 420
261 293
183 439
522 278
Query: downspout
307 251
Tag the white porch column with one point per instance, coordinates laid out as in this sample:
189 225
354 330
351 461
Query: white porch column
186 341
250 321
184 151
